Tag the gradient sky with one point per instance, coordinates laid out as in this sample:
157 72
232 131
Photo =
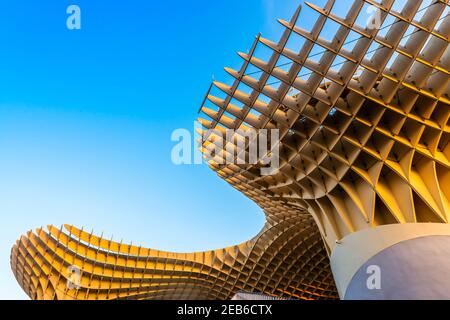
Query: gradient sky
86 118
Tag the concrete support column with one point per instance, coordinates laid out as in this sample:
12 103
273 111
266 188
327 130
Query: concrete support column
404 261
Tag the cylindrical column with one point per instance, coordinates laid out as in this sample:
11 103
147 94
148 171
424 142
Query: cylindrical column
404 261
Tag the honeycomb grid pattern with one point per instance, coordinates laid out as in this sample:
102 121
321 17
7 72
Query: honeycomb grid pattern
364 131
269 263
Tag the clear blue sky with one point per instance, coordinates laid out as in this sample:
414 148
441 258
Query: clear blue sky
86 118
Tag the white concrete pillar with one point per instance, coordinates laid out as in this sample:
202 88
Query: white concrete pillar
403 261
